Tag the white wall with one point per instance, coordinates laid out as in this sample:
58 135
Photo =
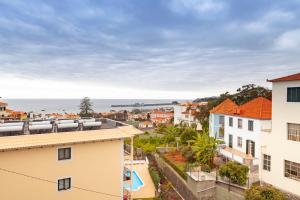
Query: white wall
177 113
244 133
276 143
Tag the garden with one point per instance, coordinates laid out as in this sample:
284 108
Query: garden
180 147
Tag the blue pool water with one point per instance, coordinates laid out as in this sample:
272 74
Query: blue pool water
137 182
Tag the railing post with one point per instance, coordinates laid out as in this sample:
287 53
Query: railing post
131 168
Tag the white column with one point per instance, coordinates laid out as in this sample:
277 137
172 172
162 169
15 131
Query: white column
131 168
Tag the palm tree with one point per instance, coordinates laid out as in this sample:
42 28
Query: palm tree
170 134
204 148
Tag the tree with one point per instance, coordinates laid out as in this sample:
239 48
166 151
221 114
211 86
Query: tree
264 192
235 172
204 148
187 134
249 92
161 129
86 107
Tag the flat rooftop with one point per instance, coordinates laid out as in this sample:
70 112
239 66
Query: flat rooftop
65 138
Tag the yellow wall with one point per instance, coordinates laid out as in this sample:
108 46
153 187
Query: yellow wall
94 166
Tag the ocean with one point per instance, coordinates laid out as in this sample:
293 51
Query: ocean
72 105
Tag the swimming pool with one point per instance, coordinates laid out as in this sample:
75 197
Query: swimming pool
137 182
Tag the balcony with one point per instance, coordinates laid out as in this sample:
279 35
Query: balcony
238 156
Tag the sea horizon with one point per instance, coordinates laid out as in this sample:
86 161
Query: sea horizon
71 105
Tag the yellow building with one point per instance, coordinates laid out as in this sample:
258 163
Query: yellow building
68 166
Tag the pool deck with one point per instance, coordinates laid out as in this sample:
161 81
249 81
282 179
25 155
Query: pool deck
148 190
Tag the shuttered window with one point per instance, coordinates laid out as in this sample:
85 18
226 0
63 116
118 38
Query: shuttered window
293 94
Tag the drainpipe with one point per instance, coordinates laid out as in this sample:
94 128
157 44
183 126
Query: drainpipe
131 168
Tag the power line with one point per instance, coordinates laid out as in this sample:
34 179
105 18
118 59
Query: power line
53 182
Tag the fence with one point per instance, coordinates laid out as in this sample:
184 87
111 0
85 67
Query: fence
177 181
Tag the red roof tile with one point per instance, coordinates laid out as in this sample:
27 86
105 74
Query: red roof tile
258 108
293 77
3 104
227 107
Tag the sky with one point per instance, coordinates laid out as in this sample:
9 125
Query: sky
157 49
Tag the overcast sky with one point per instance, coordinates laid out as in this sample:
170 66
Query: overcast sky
178 49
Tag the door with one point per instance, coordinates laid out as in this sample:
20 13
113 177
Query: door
230 140
250 147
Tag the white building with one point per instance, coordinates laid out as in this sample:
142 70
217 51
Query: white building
281 147
185 113
241 127
146 125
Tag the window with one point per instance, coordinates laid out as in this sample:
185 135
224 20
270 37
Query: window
294 132
231 121
293 94
64 153
267 162
240 141
250 125
221 120
64 184
292 170
221 132
240 123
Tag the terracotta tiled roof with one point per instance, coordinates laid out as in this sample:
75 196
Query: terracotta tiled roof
161 112
227 107
259 108
293 77
3 104
187 112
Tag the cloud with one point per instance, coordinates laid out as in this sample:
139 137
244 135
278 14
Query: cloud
174 49
267 21
289 40
197 6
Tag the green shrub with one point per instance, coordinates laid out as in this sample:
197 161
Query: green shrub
187 135
188 153
206 168
155 176
235 172
264 192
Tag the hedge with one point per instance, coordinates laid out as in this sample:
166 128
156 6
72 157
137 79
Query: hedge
155 176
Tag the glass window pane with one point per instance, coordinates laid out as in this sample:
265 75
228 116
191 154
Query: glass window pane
68 183
60 184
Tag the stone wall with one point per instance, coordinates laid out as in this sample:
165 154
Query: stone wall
177 181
